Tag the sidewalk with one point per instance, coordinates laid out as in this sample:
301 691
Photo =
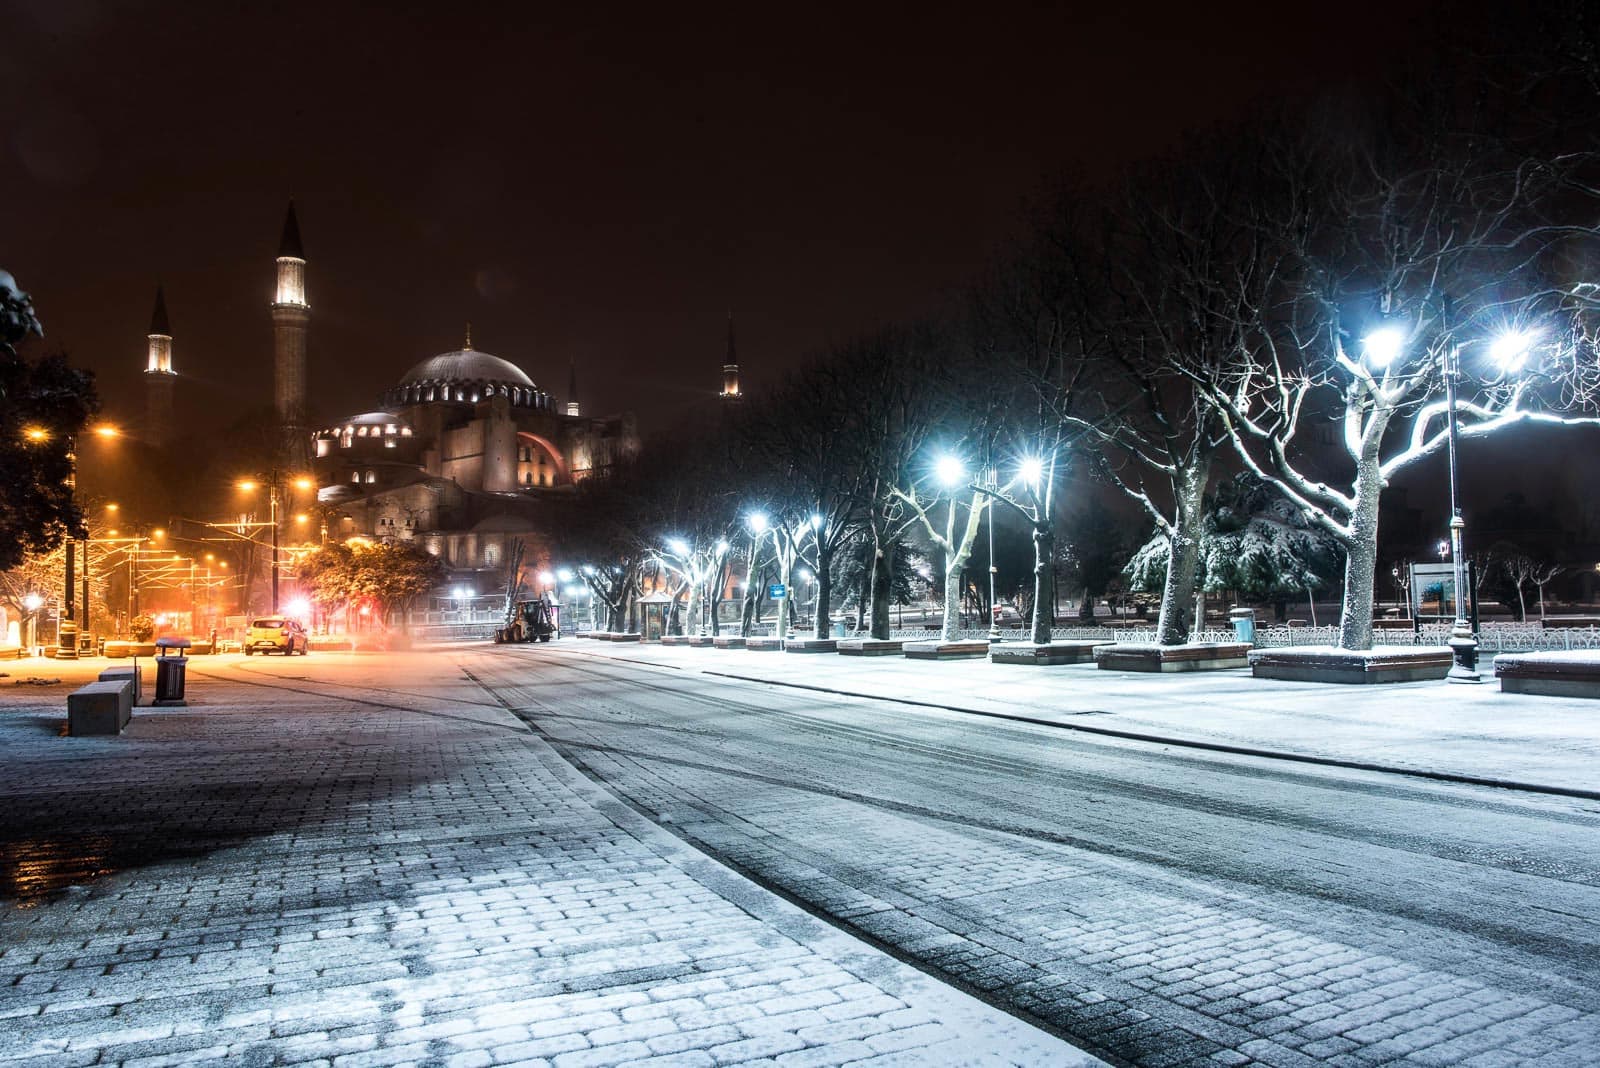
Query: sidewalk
285 876
1429 727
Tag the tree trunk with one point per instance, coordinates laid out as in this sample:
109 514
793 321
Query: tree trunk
882 572
823 610
1522 605
1044 554
1183 557
1361 555
952 603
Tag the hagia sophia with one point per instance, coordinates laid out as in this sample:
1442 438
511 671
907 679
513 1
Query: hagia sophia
457 456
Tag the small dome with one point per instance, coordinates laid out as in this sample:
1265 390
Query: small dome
466 365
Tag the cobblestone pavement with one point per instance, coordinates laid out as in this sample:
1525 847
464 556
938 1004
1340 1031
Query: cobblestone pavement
402 873
1166 907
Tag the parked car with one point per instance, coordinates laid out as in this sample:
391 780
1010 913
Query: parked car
1006 615
276 634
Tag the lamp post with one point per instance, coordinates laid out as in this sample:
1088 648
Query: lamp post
275 483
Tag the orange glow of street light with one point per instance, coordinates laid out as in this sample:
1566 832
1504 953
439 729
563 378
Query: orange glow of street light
113 507
304 483
245 485
157 533
36 433
302 518
106 430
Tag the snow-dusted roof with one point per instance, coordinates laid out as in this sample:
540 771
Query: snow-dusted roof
466 365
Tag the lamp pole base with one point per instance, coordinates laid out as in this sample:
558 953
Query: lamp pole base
1465 669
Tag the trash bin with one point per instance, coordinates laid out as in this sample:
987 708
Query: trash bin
67 640
838 628
171 672
1244 624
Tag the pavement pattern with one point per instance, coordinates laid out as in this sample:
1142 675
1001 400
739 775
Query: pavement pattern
356 860
1163 906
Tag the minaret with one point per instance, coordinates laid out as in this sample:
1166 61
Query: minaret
159 377
291 316
572 389
730 367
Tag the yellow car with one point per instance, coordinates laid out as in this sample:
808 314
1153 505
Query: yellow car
276 634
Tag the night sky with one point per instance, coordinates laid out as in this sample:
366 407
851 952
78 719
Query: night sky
590 183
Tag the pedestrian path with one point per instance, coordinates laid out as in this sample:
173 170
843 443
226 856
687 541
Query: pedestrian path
387 870
1431 727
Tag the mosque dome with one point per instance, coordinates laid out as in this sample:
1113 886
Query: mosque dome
467 365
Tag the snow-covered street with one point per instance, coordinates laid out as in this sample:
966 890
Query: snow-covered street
1162 905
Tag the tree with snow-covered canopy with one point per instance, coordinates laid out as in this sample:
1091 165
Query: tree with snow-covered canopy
1253 541
1412 252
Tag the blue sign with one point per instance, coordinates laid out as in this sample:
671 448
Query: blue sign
777 591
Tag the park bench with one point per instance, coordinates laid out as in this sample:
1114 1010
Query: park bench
1196 656
1326 663
870 647
1080 651
1574 673
936 650
100 707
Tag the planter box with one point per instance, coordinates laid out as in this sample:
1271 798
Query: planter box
615 637
965 650
870 647
1195 656
699 641
812 645
1561 674
1062 652
763 644
676 639
729 642
1326 663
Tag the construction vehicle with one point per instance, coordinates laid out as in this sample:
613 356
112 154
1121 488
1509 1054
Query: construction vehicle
527 619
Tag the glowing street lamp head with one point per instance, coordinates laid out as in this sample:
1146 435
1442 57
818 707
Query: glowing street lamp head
1384 345
1510 350
1032 470
36 434
679 546
299 607
157 534
113 507
758 522
32 602
564 574
106 430
722 546
245 485
816 520
546 578
304 483
950 470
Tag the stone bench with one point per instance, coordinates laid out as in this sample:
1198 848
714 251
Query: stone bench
100 707
936 650
812 645
763 644
131 673
870 647
728 641
1327 663
1195 656
1558 674
1063 652
676 639
617 636
10 652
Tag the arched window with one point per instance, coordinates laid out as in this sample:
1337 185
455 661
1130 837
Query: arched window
372 476
355 476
